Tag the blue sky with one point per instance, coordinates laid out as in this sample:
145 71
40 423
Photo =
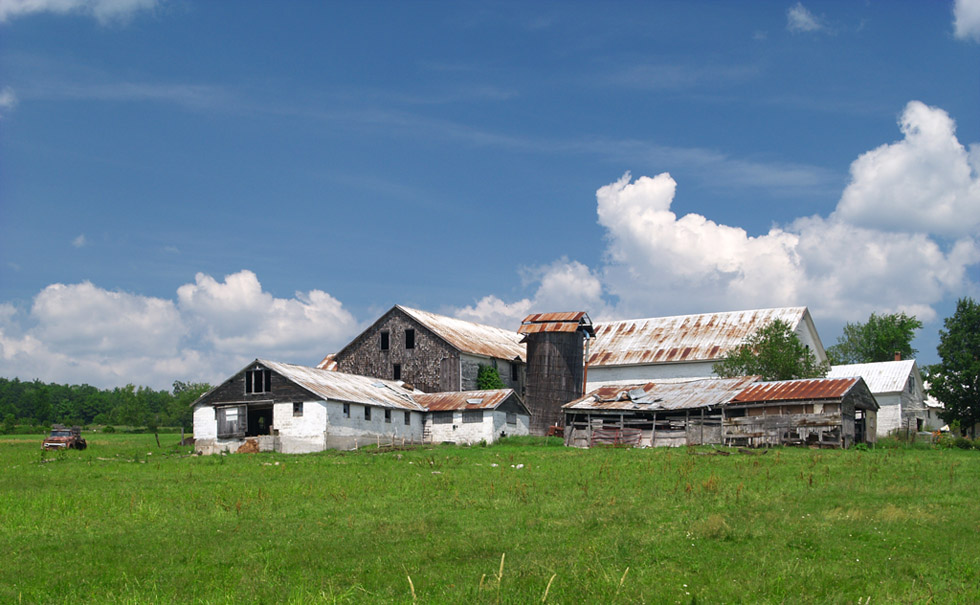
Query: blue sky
185 186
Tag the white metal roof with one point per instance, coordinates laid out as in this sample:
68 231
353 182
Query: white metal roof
881 377
347 387
682 338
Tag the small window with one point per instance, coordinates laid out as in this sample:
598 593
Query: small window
384 341
409 339
258 381
472 416
346 410
396 371
515 373
367 413
442 417
388 416
297 408
511 417
408 418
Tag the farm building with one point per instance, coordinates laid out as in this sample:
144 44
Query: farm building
468 417
295 409
669 412
897 386
684 346
555 363
433 353
822 412
731 411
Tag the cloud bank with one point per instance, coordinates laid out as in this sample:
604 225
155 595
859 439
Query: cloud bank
902 238
104 11
83 333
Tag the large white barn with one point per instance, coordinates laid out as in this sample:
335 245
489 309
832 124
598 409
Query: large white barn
296 409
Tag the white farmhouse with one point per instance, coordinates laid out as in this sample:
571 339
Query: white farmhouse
898 388
468 417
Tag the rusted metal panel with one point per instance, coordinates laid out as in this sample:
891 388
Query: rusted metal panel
796 390
682 338
672 394
329 363
557 322
465 400
469 337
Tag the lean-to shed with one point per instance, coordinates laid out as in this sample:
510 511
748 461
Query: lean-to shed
821 412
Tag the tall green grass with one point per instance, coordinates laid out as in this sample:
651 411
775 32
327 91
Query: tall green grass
127 522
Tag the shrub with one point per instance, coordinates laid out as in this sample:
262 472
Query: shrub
109 429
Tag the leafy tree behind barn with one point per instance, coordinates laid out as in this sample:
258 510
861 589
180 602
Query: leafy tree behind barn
488 378
775 352
879 339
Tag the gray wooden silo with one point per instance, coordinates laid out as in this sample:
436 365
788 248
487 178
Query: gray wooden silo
555 364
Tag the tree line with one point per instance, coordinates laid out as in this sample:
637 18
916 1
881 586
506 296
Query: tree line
36 403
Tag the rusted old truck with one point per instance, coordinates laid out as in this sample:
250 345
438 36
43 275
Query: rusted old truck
64 438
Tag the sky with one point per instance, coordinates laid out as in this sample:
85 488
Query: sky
186 186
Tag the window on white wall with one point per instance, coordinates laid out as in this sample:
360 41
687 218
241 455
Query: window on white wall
408 418
346 410
258 381
367 413
511 417
472 416
388 416
442 417
297 408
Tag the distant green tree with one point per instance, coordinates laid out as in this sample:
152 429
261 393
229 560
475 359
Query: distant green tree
877 340
487 378
955 380
775 352
184 394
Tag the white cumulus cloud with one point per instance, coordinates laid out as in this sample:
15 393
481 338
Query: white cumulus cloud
966 19
927 182
105 11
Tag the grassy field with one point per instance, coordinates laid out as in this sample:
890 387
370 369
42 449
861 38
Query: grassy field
525 521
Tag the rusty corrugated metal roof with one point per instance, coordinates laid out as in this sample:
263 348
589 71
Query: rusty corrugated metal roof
352 388
704 337
465 400
329 363
572 321
469 337
663 395
882 377
796 390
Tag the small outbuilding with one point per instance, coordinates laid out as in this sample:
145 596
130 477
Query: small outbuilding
820 412
898 389
468 417
296 409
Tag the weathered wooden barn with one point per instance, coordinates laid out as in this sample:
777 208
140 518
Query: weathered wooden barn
819 412
684 346
468 417
669 412
731 411
433 353
898 389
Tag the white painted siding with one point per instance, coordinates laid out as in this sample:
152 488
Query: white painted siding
349 432
646 373
300 434
489 430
